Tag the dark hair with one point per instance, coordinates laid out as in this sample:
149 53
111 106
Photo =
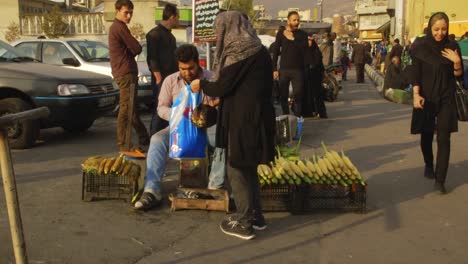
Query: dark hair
169 10
186 53
396 41
120 3
436 17
292 13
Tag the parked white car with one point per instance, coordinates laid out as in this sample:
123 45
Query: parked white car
86 55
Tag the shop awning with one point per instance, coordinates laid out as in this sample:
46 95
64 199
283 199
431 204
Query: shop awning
384 27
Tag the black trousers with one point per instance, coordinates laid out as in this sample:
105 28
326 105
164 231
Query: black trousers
157 123
296 78
443 144
246 191
359 72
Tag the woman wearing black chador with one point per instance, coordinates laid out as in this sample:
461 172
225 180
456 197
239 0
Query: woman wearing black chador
436 65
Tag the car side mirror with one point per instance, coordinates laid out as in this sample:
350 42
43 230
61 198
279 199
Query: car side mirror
71 61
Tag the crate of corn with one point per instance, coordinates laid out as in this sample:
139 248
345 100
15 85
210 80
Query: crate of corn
109 178
330 181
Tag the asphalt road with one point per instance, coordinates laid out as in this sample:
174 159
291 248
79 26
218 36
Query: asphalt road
406 222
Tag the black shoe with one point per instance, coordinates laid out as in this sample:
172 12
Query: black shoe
259 224
147 201
439 186
429 172
235 228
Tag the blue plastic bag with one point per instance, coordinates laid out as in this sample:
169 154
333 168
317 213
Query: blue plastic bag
186 140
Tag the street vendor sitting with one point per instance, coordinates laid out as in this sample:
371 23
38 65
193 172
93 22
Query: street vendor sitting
189 70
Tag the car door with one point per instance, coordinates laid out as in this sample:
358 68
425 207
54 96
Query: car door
30 49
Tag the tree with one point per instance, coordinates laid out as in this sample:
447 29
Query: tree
13 32
243 6
137 31
53 25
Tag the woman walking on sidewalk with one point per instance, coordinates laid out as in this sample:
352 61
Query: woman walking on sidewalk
436 64
245 117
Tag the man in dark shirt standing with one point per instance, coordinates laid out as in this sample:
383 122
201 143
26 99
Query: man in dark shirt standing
359 60
397 49
292 43
161 61
123 48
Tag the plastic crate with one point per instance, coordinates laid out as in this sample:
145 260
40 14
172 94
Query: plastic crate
276 198
108 186
315 197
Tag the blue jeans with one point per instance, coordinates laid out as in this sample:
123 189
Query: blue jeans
157 158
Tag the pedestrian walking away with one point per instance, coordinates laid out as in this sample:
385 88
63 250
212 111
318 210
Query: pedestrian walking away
359 60
436 65
314 104
243 81
123 48
189 69
161 45
292 44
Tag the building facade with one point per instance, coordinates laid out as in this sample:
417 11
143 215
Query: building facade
371 14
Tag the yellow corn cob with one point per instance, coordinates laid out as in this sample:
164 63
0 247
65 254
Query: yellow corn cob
296 169
310 166
304 168
323 166
319 170
330 167
329 156
338 158
260 171
102 164
276 172
108 165
117 164
127 168
267 171
287 168
349 164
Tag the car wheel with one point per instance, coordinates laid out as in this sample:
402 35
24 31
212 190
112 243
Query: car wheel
22 134
78 126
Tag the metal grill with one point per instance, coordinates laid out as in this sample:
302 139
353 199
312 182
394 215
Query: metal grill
101 88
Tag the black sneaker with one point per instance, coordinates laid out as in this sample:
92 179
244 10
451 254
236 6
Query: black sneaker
259 224
234 228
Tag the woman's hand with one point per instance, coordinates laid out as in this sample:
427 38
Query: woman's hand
452 55
418 101
195 85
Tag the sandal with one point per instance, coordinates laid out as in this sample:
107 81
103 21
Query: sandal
147 201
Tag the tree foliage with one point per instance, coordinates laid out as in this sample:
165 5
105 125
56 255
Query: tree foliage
13 32
53 25
137 31
243 6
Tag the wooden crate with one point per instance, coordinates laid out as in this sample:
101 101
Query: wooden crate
220 203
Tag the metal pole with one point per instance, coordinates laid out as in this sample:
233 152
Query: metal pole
14 214
208 56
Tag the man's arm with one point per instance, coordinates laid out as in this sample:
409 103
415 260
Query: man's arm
276 50
153 44
165 99
130 42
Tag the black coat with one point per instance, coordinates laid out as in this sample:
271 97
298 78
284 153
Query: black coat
246 114
359 54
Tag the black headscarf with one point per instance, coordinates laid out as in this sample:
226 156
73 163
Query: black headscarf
437 79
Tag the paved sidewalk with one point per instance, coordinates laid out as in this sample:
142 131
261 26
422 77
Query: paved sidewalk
406 222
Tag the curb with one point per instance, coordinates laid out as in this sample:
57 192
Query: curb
393 95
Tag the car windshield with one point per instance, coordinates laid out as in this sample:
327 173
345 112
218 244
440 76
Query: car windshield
90 50
9 53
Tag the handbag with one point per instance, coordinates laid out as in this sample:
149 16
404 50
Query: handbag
204 115
461 101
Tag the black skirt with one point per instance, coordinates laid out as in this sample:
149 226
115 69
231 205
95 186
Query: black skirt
433 117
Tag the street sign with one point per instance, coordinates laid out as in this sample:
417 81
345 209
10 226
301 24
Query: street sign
204 14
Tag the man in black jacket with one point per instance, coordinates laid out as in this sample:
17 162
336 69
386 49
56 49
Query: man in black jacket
292 43
161 46
397 49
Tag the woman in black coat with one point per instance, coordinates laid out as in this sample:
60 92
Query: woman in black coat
314 93
436 64
246 118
